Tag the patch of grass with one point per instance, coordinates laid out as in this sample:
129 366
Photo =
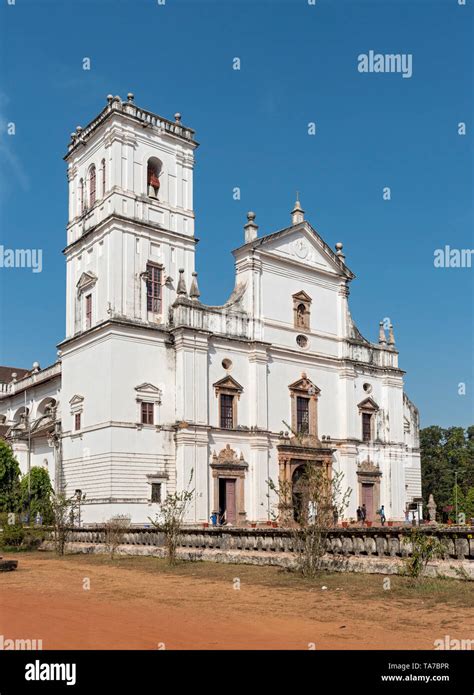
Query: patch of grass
14 549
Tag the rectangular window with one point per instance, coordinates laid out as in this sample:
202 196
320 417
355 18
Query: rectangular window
88 310
147 413
227 411
77 421
302 414
153 289
156 492
366 427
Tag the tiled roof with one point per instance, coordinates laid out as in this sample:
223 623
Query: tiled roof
6 374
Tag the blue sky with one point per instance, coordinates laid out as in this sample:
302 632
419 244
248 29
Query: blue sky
298 65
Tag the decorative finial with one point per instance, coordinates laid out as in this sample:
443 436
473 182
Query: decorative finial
78 129
109 98
339 253
391 337
181 289
177 117
194 291
35 367
250 229
130 96
382 337
297 214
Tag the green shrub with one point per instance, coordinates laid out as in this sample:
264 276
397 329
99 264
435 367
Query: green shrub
13 535
424 548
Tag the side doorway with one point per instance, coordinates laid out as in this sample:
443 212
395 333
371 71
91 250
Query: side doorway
368 500
227 500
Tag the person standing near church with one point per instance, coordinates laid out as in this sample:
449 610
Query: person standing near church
383 518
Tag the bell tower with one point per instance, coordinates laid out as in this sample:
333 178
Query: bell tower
131 219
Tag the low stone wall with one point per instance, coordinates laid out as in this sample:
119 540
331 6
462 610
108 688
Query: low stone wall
382 542
452 569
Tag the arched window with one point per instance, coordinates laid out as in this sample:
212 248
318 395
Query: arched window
81 196
103 177
92 186
153 177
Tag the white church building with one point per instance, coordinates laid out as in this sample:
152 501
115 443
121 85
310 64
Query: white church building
152 387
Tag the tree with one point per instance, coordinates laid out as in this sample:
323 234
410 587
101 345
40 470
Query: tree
64 512
469 505
114 532
36 493
311 513
9 480
447 455
171 517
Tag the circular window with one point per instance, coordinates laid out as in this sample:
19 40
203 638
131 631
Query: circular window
367 388
302 341
227 364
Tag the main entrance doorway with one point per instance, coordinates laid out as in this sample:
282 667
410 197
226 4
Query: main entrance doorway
299 502
227 500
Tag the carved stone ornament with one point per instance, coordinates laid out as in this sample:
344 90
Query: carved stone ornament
226 456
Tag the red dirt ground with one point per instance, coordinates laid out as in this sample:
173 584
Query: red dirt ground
129 607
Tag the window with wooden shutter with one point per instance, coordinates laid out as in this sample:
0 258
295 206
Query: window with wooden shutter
302 414
88 310
153 289
147 413
366 427
156 492
227 411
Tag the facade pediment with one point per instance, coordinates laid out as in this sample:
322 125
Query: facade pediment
148 391
86 280
229 384
302 296
76 400
302 244
149 388
368 404
304 384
